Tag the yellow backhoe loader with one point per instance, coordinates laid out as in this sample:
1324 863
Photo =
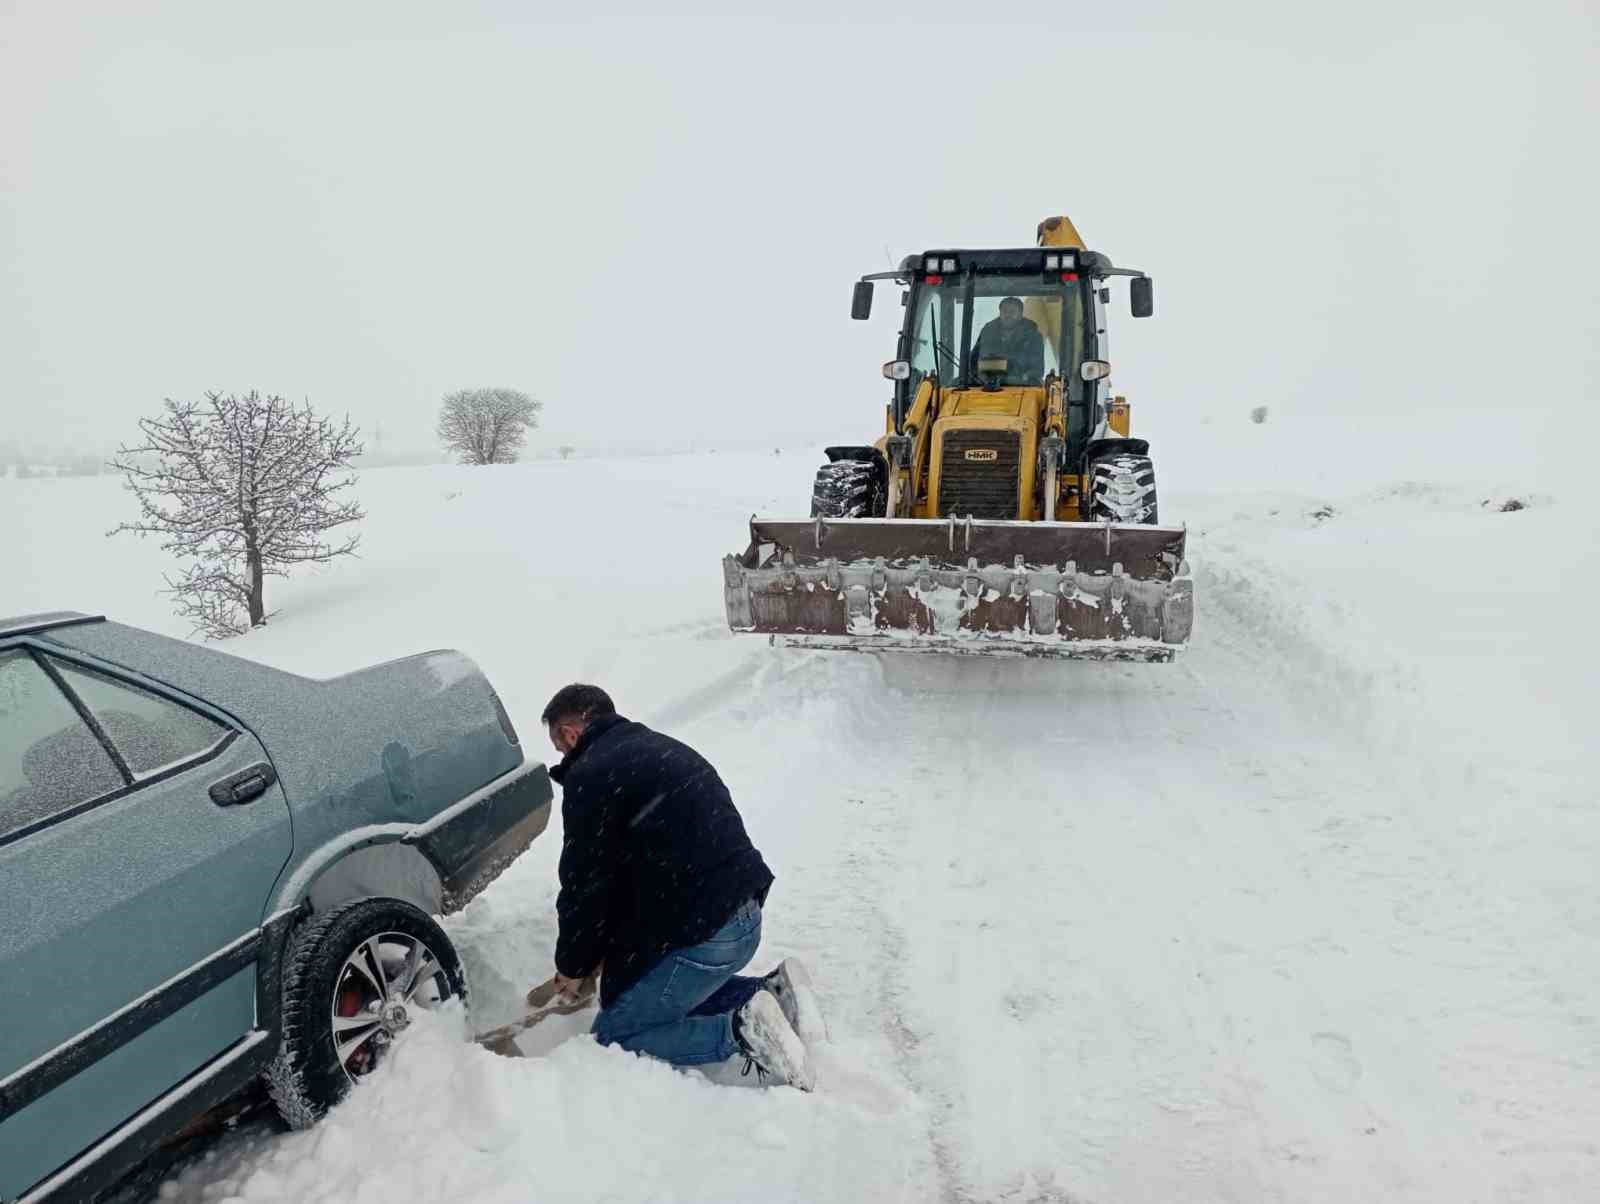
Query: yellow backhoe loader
1006 509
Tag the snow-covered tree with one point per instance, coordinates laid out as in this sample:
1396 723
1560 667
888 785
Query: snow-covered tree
487 426
245 487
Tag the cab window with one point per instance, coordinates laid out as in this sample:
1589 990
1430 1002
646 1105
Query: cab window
940 309
1054 310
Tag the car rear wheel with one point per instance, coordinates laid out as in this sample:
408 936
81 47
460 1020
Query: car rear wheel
351 982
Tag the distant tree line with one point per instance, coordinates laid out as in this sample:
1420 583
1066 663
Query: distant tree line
50 465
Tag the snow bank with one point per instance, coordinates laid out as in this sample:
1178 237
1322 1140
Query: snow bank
443 1120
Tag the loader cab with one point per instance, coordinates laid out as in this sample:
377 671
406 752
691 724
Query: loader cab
955 329
951 300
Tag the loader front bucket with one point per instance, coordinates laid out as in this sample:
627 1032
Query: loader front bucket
1086 590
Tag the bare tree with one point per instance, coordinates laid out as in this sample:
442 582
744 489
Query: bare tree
566 450
487 426
246 487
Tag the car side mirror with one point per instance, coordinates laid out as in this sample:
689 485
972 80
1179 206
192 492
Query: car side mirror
861 301
1142 296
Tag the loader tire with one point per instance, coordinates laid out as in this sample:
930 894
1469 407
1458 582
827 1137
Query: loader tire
1123 489
847 489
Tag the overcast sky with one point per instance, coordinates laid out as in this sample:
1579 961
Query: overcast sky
652 223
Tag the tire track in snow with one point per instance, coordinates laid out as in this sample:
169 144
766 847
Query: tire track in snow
893 991
915 832
706 699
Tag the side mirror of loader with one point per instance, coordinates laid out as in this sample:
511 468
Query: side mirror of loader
861 301
1142 296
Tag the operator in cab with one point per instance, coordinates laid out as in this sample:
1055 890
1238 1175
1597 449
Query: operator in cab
1016 340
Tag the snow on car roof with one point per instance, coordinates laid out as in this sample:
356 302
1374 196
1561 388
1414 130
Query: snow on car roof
44 621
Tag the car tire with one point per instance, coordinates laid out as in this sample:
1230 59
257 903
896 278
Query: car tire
330 982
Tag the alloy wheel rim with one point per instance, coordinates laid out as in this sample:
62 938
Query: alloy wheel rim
379 984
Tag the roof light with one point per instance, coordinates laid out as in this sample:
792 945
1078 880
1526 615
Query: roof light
930 263
1052 263
949 265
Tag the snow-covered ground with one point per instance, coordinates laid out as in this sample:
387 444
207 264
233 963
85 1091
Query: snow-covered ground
1309 915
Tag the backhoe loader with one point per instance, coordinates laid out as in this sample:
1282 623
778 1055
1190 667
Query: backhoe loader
1006 510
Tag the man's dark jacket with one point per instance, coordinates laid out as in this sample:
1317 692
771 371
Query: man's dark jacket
654 856
1022 346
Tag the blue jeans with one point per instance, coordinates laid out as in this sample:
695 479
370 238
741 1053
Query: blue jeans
681 1011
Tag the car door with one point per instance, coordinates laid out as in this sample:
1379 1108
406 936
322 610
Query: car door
120 876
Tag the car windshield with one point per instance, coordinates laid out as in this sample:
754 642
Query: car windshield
1022 330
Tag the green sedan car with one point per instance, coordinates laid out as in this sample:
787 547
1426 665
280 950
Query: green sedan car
212 871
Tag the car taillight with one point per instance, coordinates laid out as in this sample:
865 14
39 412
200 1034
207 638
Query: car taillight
505 720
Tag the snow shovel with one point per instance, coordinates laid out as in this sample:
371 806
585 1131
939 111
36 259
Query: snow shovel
543 1001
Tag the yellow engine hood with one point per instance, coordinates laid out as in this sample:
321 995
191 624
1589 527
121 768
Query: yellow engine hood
1014 402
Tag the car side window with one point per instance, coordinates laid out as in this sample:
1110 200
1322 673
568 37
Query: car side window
151 732
49 759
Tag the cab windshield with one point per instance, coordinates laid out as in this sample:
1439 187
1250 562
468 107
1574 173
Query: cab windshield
1022 329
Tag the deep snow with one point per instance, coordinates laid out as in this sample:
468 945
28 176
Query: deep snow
1308 915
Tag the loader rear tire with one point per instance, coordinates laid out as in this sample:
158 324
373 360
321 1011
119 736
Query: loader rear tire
1123 489
847 489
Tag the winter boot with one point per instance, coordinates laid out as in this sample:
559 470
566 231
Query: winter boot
770 1047
791 984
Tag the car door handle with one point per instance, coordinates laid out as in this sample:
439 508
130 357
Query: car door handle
243 786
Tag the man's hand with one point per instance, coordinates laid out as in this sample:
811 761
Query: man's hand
560 992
